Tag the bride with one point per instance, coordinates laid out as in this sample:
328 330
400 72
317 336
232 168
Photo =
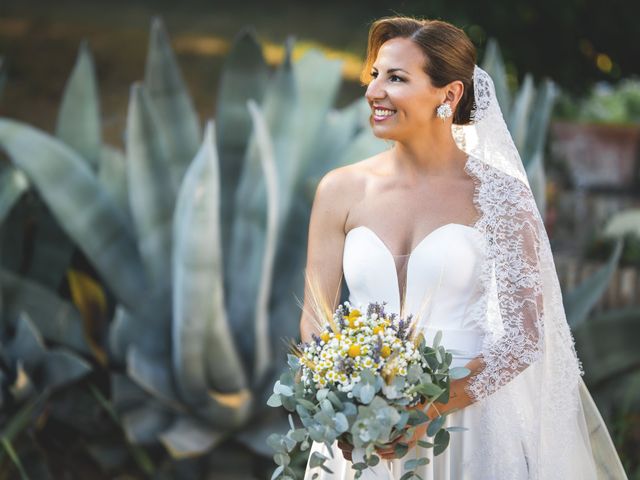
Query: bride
444 225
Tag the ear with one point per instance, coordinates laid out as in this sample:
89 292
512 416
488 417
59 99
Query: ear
453 93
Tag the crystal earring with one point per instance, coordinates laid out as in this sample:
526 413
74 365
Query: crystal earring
444 111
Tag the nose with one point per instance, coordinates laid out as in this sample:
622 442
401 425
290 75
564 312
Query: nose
374 92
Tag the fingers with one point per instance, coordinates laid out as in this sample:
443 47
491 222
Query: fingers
345 446
347 449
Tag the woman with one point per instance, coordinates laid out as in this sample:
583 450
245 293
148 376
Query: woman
444 225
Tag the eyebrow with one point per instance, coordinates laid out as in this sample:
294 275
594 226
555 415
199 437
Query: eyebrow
393 70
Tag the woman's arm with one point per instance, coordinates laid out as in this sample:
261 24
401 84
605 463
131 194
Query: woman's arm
325 247
458 397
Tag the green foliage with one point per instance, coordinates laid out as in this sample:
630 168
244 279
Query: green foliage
367 416
605 103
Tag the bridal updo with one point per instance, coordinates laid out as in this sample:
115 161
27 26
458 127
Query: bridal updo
450 54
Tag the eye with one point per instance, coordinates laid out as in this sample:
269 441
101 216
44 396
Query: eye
375 74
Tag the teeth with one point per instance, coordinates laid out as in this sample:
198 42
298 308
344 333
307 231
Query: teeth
385 113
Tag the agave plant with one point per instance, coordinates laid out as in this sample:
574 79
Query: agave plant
200 240
237 248
607 343
31 370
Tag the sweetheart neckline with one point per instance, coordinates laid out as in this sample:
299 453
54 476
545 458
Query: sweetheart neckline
409 255
417 245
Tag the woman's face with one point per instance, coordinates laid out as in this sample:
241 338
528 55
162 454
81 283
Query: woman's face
408 92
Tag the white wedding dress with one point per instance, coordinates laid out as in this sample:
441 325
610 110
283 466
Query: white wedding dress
441 283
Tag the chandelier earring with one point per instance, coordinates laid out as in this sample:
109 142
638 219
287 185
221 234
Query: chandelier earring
444 111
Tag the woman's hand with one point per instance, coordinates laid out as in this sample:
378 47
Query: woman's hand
388 452
347 449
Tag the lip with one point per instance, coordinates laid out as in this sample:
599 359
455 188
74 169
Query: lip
381 118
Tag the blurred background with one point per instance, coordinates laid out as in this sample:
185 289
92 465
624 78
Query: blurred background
157 166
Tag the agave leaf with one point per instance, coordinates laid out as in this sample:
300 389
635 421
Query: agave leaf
579 302
109 454
493 64
148 327
316 93
334 137
364 145
80 204
177 119
61 367
539 121
254 435
124 329
188 437
13 183
607 345
91 301
144 424
57 320
14 252
153 374
537 181
149 186
52 248
246 258
262 358
78 122
126 393
244 75
518 118
112 173
27 344
338 131
204 354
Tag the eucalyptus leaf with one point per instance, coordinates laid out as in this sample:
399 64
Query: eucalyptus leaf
441 442
435 425
459 372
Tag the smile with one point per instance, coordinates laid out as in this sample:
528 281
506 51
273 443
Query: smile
381 114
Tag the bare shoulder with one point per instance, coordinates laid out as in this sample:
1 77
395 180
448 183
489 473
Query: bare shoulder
339 188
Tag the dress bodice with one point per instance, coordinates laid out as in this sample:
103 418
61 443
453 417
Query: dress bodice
442 282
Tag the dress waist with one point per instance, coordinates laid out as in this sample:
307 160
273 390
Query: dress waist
463 343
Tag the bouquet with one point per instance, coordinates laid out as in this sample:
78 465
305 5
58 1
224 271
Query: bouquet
357 381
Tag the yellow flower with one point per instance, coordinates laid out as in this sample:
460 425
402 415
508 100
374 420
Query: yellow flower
352 317
354 351
324 336
378 329
385 351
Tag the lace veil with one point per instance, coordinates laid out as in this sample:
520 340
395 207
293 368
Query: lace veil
531 385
